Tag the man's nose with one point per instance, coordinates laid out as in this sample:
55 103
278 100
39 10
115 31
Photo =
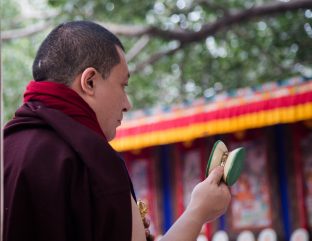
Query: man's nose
128 104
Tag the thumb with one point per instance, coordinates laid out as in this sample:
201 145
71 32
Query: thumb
215 175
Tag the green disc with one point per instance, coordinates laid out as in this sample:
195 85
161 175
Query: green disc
210 157
236 167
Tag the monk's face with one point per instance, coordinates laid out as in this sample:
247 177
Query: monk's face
111 99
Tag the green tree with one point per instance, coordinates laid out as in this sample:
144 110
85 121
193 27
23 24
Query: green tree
177 50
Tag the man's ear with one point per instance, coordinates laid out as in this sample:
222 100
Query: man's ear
87 80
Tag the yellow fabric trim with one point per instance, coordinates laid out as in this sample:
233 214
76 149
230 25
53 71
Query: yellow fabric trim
239 123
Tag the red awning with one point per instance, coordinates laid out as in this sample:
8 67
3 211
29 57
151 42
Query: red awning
272 103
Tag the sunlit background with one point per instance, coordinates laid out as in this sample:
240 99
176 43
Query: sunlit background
236 70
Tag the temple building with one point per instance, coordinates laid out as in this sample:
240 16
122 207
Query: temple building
166 151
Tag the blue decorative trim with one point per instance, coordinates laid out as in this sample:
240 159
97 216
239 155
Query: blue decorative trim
222 221
166 187
282 177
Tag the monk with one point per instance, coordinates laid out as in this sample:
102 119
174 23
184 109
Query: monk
62 179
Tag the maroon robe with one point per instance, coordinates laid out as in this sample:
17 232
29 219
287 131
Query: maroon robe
62 181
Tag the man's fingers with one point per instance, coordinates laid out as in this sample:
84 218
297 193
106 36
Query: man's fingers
216 175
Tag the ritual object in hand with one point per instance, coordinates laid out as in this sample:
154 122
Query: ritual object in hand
232 161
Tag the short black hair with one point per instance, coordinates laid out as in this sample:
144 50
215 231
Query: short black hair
72 47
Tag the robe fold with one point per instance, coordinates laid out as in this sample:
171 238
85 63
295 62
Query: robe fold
62 181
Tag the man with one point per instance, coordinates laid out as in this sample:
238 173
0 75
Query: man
62 180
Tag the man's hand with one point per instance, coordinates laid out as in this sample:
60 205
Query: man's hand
210 198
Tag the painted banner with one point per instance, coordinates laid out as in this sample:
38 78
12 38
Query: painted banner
306 145
191 173
251 206
140 172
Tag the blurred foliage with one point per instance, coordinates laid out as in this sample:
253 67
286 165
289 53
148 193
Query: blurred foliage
264 49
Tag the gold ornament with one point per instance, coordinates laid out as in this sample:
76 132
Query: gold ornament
142 208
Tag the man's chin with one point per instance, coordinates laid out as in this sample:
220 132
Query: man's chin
111 136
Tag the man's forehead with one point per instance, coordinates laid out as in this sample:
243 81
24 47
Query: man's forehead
122 56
